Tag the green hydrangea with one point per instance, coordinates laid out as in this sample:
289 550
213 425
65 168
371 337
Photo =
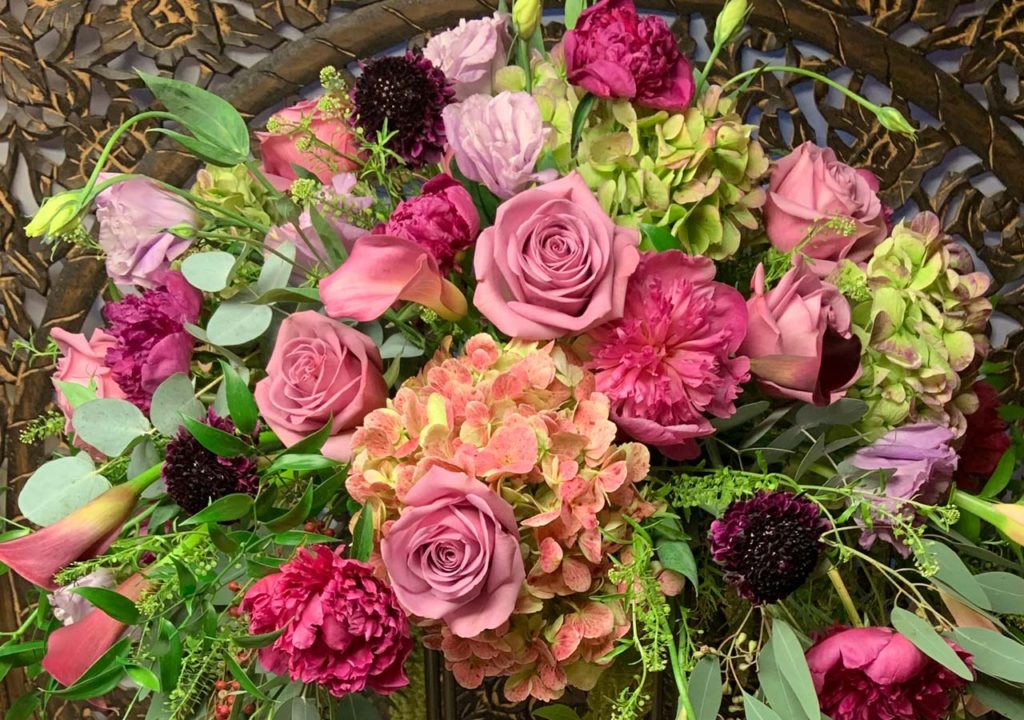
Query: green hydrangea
696 173
236 190
922 326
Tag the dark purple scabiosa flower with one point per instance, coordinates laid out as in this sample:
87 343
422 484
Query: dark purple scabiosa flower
768 545
195 477
152 343
408 93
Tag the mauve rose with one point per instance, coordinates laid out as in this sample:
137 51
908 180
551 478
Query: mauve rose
497 141
874 672
453 555
134 217
553 263
334 151
320 370
810 187
798 337
470 54
83 362
615 53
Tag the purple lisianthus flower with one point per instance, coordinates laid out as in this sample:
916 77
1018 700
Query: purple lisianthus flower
151 344
918 463
470 54
68 607
135 218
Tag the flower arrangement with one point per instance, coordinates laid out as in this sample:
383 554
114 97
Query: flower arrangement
537 360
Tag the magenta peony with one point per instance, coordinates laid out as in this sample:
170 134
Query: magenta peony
453 554
152 343
874 672
343 628
798 337
615 53
303 135
553 263
470 54
320 370
671 359
135 220
442 219
83 362
824 208
497 141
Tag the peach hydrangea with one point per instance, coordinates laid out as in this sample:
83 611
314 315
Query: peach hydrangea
524 419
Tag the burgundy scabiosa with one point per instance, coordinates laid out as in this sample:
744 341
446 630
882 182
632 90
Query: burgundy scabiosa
768 544
195 477
407 93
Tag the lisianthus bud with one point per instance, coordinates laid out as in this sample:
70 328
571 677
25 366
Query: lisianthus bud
730 20
57 215
892 119
526 16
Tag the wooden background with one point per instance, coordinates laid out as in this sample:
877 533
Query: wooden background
66 80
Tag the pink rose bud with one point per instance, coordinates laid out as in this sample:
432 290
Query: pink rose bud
334 149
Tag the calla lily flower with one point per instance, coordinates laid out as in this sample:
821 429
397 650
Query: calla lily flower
85 533
1008 518
72 650
382 270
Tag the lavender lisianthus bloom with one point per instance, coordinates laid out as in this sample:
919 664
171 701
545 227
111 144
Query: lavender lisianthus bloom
918 464
68 607
135 220
470 54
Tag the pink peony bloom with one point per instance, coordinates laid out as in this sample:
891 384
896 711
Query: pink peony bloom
382 270
320 370
83 362
615 53
798 337
453 555
470 54
134 219
874 672
553 263
442 219
335 149
343 628
670 360
497 141
809 188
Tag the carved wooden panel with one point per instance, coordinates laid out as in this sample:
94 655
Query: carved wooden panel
66 80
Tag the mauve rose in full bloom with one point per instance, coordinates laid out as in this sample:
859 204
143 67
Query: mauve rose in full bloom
470 54
343 628
811 187
498 140
874 672
442 219
134 217
453 555
615 53
553 263
798 337
919 464
83 362
152 343
320 370
334 151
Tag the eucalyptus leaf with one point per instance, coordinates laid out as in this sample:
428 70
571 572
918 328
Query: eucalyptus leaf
957 576
208 271
76 393
276 270
790 657
1005 591
770 676
705 688
175 397
993 653
743 414
299 708
109 425
59 487
372 330
754 709
398 345
845 411
1006 700
237 323
677 556
928 641
308 296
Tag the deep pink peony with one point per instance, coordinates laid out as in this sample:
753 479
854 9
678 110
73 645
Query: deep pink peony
442 219
798 337
873 673
811 190
83 362
453 555
470 54
320 370
670 360
615 53
553 263
334 150
152 343
343 628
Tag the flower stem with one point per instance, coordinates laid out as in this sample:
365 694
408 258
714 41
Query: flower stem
844 595
146 478
108 148
806 73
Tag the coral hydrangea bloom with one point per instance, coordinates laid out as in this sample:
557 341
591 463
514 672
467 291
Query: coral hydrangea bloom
669 361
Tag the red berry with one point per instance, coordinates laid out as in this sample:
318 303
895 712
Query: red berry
235 611
249 709
235 685
234 586
310 526
329 532
221 685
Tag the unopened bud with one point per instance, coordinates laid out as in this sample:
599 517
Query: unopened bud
57 215
730 21
526 16
892 119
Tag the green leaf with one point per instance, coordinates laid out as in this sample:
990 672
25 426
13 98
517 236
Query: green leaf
296 514
928 641
754 709
75 393
391 374
330 238
208 271
299 708
705 688
307 296
258 641
1005 591
846 411
486 202
677 556
175 397
144 677
556 712
206 151
790 656
1006 700
59 487
775 689
328 490
21 654
112 603
303 462
276 270
243 678
398 345
215 440
23 707
579 120
225 509
957 576
362 536
313 443
237 323
221 541
187 583
170 659
208 117
241 403
994 653
291 538
110 425
573 8
1001 476
658 237
102 677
